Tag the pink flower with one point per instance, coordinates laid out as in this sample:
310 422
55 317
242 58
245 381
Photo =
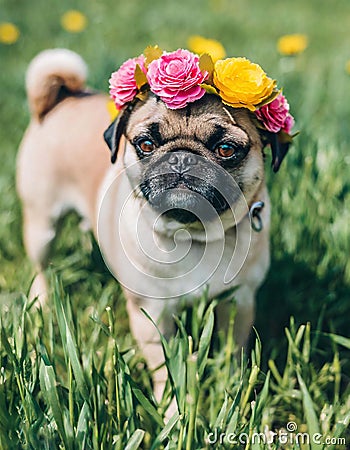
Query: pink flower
176 77
288 124
275 115
122 84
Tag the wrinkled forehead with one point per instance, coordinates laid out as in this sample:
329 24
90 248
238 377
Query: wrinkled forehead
200 118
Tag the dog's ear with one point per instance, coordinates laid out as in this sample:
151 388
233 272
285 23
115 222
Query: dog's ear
279 143
116 130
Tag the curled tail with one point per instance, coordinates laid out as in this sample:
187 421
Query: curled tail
52 76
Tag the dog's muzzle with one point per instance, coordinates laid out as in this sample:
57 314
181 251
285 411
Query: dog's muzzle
187 187
182 162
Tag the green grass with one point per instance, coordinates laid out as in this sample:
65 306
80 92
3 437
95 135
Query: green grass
68 381
71 376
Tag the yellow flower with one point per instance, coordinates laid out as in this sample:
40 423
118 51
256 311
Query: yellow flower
199 45
292 44
242 84
347 67
9 33
74 21
112 110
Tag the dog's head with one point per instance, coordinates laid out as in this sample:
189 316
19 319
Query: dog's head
196 161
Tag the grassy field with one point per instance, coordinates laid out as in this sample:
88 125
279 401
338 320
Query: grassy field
72 378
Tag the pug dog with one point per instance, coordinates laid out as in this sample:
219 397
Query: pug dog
184 208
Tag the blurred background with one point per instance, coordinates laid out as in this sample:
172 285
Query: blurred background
310 270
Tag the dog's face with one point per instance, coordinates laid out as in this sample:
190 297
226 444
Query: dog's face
193 163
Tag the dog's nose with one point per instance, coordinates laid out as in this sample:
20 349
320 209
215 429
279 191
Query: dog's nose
181 162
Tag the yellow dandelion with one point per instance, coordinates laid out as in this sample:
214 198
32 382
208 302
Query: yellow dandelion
347 67
9 33
214 48
73 21
292 44
112 110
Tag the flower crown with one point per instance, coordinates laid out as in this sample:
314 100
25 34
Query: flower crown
182 77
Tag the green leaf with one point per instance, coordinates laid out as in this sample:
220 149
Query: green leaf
82 427
164 342
166 431
209 89
206 65
70 347
146 404
284 138
48 385
263 396
135 440
220 420
205 340
340 340
275 93
341 425
5 418
6 345
309 411
232 422
176 365
275 372
293 341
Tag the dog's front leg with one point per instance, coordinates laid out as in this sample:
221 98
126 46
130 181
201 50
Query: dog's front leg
38 234
147 335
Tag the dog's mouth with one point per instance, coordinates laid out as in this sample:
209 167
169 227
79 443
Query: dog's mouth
183 197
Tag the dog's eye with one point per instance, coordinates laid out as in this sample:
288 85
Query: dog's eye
225 150
146 146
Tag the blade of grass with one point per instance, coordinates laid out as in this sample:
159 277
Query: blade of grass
340 340
82 426
263 396
192 399
70 346
205 340
310 413
164 434
48 385
145 403
135 440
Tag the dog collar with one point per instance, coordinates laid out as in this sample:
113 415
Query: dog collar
255 216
